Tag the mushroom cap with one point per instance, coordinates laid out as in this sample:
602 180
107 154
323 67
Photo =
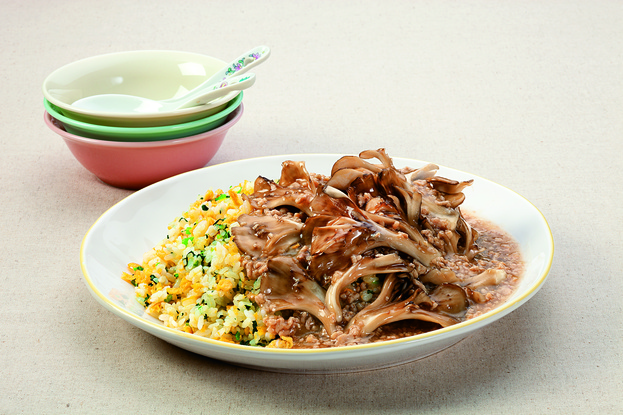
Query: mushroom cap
451 299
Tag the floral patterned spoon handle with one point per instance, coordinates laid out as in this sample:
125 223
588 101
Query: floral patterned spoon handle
239 66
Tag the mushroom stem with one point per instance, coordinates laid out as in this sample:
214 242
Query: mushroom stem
286 287
385 264
484 279
369 319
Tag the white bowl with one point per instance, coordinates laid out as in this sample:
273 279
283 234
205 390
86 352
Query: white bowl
155 74
139 222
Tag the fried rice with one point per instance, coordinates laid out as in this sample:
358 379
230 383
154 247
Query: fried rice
194 280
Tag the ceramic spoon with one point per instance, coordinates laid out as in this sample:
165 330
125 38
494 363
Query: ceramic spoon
119 103
218 85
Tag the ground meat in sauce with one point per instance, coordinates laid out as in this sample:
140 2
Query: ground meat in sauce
330 270
499 250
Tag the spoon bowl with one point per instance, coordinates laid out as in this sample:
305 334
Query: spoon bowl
120 103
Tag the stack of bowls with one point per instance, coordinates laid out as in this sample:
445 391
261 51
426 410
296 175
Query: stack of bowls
133 150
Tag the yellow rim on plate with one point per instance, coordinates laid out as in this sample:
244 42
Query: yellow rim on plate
498 311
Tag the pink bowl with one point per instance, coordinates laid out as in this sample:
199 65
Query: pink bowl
133 165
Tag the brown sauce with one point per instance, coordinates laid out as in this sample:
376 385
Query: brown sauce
499 251
370 253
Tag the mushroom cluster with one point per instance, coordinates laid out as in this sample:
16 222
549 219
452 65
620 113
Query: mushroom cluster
366 246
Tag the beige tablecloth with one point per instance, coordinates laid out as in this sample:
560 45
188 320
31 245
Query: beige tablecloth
527 94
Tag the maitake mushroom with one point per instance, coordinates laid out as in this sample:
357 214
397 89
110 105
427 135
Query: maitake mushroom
311 239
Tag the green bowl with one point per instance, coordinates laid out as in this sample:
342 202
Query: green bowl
165 132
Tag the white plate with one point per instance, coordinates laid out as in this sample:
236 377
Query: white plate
137 223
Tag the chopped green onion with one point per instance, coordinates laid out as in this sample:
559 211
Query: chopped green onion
367 295
371 280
